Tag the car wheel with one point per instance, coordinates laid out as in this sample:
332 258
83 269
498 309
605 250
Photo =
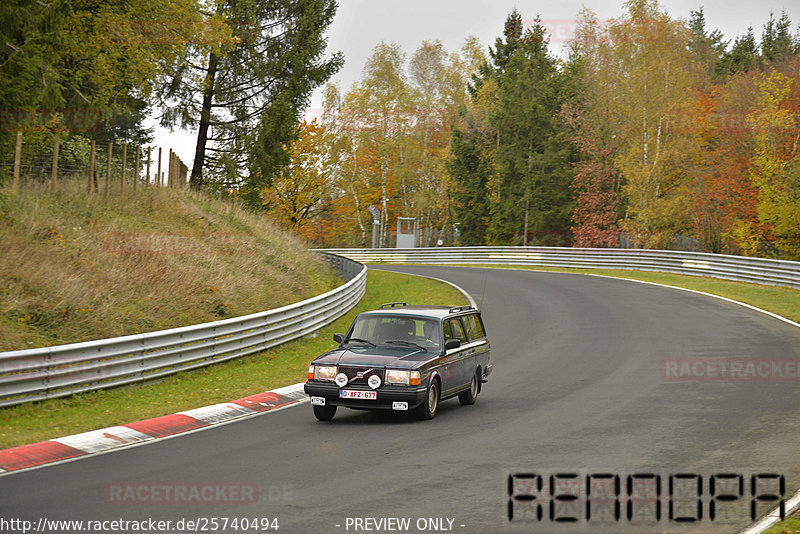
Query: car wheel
324 413
428 408
469 396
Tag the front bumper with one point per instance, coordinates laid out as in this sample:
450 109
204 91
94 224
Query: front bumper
387 395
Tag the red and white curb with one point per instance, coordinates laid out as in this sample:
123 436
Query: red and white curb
107 439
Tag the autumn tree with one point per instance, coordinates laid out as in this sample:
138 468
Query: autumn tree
299 195
776 161
388 140
597 184
348 219
438 89
649 70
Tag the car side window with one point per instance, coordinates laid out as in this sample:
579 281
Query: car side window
454 330
474 326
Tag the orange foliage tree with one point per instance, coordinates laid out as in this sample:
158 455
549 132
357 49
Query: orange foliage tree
299 196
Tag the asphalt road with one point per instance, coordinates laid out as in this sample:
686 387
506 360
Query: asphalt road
579 386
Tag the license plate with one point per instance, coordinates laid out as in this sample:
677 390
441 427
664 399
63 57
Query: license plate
361 395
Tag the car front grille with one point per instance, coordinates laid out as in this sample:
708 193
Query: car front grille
352 373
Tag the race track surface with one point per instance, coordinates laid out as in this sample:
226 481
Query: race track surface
580 385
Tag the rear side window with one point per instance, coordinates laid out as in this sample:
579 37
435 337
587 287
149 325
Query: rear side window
454 330
474 326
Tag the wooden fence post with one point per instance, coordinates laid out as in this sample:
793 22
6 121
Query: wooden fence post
136 167
17 160
147 174
54 172
169 169
91 168
159 176
108 168
184 174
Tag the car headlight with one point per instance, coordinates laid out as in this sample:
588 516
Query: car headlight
402 378
323 372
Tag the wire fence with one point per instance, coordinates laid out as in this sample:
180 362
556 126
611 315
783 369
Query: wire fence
39 157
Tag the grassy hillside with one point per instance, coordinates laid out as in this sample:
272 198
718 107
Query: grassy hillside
76 267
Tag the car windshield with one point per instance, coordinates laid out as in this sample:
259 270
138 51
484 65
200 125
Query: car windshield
394 330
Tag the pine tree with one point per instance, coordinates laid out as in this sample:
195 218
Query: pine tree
532 159
742 57
471 171
31 34
707 48
246 97
776 40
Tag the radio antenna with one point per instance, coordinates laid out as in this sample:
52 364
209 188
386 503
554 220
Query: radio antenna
483 293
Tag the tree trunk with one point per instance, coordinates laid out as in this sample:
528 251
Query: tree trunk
525 227
358 203
196 180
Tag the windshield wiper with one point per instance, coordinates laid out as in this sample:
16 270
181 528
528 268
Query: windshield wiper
361 341
404 342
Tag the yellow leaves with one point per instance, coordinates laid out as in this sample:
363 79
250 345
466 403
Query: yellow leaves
776 166
123 46
773 90
297 195
745 236
641 78
771 123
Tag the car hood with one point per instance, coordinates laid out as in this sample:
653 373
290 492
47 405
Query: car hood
396 357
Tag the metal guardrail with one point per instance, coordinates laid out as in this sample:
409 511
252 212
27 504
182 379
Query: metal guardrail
738 268
48 372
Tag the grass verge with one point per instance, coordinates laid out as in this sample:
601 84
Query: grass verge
789 525
280 366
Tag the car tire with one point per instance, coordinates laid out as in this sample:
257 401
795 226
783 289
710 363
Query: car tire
324 413
427 410
469 396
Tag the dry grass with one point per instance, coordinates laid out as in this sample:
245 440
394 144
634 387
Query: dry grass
75 267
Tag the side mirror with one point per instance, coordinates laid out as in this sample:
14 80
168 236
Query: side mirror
451 344
339 338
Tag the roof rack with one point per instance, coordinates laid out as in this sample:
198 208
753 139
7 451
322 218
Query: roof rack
392 305
456 309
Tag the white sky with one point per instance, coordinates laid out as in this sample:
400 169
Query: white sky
361 24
